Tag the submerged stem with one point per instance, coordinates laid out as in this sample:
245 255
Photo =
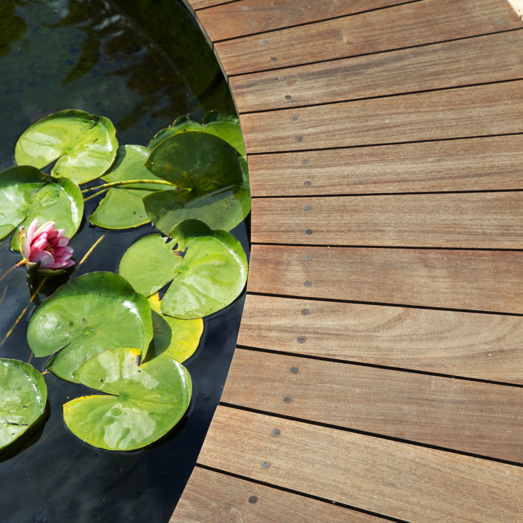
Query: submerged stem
23 312
128 182
6 274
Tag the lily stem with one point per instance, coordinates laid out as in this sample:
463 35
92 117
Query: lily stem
24 311
128 182
7 273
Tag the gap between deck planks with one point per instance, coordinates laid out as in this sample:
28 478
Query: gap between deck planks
478 164
211 497
451 279
484 110
466 221
483 59
473 345
407 25
478 418
386 477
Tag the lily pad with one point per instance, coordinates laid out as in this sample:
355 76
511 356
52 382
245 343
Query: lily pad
211 180
86 316
84 144
143 402
122 207
23 395
208 269
174 338
26 194
219 124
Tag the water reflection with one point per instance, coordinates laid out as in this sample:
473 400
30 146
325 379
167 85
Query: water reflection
141 63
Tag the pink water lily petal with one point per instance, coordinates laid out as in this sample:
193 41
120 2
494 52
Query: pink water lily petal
45 258
61 264
31 230
46 227
62 242
38 245
25 246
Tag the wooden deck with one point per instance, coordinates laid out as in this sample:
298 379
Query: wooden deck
379 369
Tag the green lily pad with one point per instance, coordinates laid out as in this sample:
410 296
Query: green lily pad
219 124
174 338
122 207
86 316
84 144
208 269
23 394
26 194
210 175
144 402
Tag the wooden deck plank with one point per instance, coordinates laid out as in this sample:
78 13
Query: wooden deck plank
479 164
404 481
464 220
202 4
211 497
492 58
398 27
484 110
254 16
479 418
452 279
473 345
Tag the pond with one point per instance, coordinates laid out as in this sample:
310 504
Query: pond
142 64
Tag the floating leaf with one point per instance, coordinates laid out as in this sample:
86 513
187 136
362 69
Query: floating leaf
122 207
177 339
208 269
84 144
88 315
23 395
143 403
219 124
210 174
26 194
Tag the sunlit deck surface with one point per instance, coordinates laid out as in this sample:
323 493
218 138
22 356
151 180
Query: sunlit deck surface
379 368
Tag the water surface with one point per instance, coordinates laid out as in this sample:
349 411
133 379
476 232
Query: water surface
141 64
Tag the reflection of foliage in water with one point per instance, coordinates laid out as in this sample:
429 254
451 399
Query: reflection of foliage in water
12 27
112 34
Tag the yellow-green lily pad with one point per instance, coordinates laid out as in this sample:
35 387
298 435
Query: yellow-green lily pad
219 124
26 194
84 144
208 269
174 338
212 180
122 207
142 402
86 316
23 395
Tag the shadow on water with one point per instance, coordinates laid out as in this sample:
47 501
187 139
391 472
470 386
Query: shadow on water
142 63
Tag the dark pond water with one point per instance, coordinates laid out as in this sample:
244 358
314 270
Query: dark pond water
141 63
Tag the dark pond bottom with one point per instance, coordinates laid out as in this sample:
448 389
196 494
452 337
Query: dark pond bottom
141 64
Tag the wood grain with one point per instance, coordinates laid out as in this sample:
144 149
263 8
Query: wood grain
255 16
470 220
479 164
453 279
455 113
479 418
211 497
202 4
385 477
492 58
407 25
473 345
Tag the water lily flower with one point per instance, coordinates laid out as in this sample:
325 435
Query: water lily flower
44 248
